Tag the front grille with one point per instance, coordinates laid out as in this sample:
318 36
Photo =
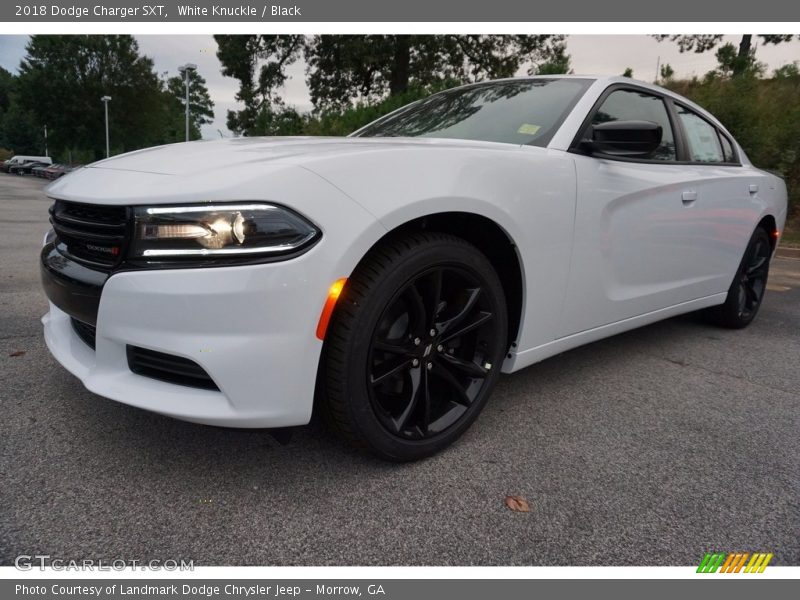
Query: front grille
169 368
86 332
88 233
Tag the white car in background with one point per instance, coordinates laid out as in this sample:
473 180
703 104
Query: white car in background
395 273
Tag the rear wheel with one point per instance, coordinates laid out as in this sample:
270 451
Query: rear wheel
747 289
415 346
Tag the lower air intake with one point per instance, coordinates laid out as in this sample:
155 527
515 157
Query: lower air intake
169 368
86 332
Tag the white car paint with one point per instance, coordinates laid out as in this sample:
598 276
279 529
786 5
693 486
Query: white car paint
604 245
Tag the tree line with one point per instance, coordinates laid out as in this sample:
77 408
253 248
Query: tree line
348 71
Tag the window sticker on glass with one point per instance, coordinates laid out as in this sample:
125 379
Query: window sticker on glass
704 142
528 129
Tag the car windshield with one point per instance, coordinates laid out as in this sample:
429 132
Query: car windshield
524 111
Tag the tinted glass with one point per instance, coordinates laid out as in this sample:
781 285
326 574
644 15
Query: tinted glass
527 111
630 105
727 148
704 144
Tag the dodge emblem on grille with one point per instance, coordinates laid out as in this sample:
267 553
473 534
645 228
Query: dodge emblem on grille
112 250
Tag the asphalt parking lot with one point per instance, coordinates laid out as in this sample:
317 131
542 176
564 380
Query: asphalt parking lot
647 448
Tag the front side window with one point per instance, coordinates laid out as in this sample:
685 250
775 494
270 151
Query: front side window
704 142
632 105
525 111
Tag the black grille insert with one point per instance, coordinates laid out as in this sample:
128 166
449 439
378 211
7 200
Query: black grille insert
169 368
86 332
89 233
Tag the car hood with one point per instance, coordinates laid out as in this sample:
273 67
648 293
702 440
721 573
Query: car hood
219 155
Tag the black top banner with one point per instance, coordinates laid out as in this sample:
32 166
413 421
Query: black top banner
259 11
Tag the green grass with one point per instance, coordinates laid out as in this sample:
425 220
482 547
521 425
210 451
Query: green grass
791 238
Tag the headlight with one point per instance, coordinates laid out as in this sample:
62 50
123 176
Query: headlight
221 230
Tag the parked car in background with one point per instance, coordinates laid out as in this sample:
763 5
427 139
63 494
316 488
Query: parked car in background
21 159
39 171
25 168
394 274
57 171
16 168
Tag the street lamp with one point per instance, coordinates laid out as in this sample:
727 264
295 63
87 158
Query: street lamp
105 100
186 68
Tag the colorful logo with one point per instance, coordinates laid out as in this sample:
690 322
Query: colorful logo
734 562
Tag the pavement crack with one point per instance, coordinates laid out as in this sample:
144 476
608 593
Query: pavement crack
19 337
689 365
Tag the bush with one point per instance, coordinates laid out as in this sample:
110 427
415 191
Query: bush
355 118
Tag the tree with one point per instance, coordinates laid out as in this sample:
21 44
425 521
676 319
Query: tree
278 120
6 88
790 71
628 72
62 79
259 63
18 129
347 68
556 59
737 60
731 62
343 70
201 108
667 72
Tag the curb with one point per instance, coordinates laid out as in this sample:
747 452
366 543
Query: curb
788 253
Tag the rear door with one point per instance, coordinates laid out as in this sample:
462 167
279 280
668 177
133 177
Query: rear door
638 242
728 202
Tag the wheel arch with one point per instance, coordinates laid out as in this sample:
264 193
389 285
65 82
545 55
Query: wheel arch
770 225
491 239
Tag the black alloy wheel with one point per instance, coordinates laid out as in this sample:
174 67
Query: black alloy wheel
431 353
415 346
753 277
747 290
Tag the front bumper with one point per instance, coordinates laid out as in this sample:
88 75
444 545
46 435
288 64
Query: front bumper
251 328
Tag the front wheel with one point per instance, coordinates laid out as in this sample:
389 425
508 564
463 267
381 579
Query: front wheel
748 287
415 346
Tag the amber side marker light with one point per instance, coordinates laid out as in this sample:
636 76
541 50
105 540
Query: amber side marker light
333 295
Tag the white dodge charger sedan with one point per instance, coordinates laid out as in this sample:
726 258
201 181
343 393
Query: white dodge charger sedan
388 278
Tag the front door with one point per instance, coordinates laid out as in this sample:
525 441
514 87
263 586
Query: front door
636 235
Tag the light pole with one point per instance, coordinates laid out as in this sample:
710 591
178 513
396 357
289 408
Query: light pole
46 153
186 68
105 100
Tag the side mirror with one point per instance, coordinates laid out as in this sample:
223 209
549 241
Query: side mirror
629 139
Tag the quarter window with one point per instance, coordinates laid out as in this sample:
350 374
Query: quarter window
631 105
704 141
727 148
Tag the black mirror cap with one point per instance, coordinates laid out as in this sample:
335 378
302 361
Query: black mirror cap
625 139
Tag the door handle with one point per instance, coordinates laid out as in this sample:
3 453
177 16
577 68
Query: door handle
753 188
689 196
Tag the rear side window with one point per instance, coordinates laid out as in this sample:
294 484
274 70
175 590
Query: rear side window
630 105
704 141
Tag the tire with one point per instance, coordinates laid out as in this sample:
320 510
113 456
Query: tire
406 374
748 287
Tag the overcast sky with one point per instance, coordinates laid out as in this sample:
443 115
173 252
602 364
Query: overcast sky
591 54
